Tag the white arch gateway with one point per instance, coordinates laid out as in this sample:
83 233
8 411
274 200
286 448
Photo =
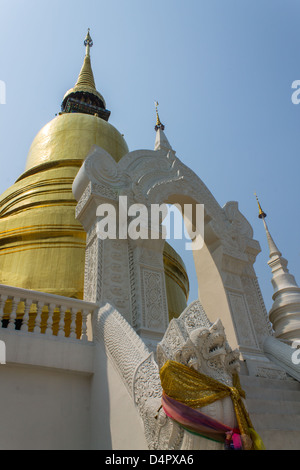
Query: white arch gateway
129 274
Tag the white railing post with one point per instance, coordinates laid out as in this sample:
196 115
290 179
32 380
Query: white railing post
13 315
25 319
73 312
38 318
84 325
49 329
61 325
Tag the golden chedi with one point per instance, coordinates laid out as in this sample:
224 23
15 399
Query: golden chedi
42 245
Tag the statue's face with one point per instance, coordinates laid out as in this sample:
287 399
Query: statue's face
206 351
232 361
214 348
188 356
206 345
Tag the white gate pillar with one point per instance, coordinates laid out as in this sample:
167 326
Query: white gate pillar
127 273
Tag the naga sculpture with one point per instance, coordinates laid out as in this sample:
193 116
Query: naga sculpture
196 402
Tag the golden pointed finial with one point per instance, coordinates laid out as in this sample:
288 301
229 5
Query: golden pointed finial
85 82
86 76
88 42
159 125
262 214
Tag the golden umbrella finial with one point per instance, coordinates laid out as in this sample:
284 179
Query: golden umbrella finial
159 125
262 214
88 42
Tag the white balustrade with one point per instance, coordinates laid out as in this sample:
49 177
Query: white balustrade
41 313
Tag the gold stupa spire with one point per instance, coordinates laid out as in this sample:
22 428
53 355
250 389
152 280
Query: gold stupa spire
86 76
85 83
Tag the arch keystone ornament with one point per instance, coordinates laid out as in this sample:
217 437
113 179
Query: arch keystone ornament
227 283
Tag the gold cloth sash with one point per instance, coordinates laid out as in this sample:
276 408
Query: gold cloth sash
196 390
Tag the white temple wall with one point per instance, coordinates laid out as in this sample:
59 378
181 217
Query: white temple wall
66 394
115 421
43 409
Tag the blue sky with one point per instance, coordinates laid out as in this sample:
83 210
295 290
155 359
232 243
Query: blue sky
221 70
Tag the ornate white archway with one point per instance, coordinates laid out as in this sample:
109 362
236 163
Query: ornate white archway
227 283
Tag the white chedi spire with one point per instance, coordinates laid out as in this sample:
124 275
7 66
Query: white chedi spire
161 141
285 311
274 251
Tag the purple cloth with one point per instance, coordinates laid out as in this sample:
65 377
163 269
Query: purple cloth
199 423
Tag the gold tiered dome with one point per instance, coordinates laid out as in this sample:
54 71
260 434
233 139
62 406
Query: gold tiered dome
42 245
68 138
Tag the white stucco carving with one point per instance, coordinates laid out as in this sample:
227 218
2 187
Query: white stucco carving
192 340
